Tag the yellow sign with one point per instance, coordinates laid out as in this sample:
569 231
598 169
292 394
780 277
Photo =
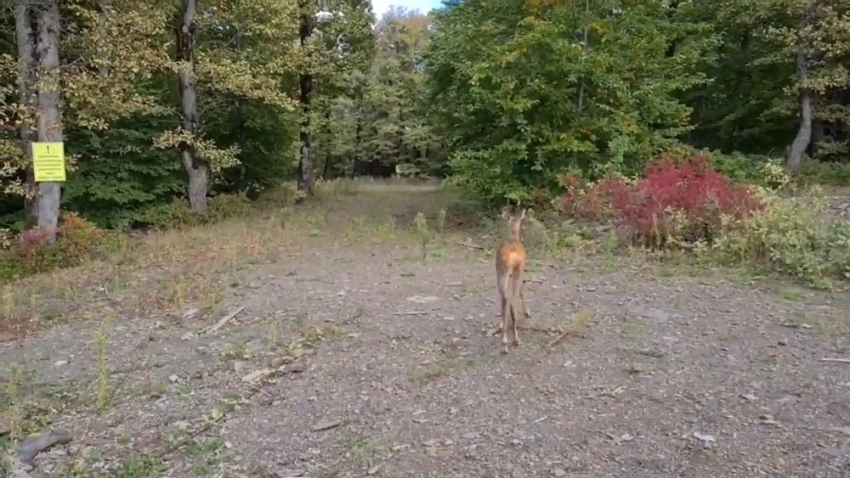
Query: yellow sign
48 162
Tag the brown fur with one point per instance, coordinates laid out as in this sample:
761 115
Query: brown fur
510 264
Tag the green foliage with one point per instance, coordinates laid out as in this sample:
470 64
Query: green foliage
791 237
525 99
178 214
120 175
832 173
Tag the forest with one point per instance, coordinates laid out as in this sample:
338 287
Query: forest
174 112
287 235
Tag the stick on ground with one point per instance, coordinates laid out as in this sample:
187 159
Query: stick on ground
578 323
224 320
836 360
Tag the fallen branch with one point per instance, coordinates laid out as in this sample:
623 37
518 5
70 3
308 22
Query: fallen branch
224 320
472 246
836 360
573 328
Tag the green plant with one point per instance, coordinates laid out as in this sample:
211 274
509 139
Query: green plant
831 173
791 237
78 241
420 223
441 220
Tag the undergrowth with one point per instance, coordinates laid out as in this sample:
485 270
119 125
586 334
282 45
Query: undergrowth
687 205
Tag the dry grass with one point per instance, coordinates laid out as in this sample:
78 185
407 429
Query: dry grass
166 272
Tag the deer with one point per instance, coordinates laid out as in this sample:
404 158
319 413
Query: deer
510 264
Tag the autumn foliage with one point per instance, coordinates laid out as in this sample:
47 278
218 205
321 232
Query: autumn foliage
685 201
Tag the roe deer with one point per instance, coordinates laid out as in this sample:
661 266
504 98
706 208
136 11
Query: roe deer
510 263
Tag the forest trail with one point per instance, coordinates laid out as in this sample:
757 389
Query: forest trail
351 356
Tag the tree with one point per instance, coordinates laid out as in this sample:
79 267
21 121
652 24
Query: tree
197 167
505 79
804 133
26 41
37 26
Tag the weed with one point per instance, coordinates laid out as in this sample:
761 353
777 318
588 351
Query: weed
141 466
422 231
441 221
16 405
273 338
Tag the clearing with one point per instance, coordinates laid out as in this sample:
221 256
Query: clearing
350 355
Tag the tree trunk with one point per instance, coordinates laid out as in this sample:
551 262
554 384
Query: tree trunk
196 167
584 39
804 133
49 117
25 37
103 7
306 179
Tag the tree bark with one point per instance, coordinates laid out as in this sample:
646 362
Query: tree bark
804 133
49 124
306 179
584 39
25 36
196 167
103 7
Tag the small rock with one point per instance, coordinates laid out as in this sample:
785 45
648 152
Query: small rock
297 353
181 425
5 425
239 365
187 336
173 378
60 363
35 444
471 436
749 397
704 438
559 472
768 420
373 470
289 473
782 342
277 362
326 425
295 367
423 299
256 375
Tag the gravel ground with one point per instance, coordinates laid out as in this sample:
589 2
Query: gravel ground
356 360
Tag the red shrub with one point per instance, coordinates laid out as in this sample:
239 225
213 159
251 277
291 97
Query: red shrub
684 199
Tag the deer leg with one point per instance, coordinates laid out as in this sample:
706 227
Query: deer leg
507 310
522 299
517 291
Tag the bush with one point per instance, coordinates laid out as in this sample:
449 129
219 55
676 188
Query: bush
689 203
816 172
178 214
790 236
675 202
77 241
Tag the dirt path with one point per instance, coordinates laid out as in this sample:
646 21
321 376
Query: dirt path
387 368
